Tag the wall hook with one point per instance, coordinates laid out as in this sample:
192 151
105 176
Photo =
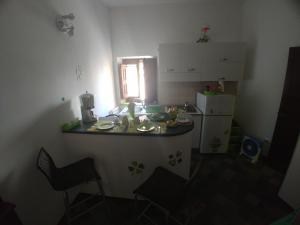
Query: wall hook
63 23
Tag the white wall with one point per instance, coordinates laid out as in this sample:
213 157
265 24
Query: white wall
138 30
270 28
37 69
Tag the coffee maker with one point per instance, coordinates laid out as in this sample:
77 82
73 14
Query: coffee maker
87 104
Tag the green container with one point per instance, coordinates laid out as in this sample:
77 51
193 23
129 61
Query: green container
153 109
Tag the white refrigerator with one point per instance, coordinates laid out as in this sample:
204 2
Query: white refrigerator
217 118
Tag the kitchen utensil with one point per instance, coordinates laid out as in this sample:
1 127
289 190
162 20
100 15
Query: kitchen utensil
87 104
146 127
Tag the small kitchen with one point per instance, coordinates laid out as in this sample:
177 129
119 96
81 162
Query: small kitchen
200 91
148 128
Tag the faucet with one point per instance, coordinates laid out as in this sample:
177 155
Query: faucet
186 105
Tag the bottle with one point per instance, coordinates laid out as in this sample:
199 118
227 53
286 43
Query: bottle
221 87
131 107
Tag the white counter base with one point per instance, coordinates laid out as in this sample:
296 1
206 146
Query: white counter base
114 154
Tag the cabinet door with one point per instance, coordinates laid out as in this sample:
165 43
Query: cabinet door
201 62
222 60
178 58
172 58
214 71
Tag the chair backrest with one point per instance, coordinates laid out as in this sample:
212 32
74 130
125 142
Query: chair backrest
46 165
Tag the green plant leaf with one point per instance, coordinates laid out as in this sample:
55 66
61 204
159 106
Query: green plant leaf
141 166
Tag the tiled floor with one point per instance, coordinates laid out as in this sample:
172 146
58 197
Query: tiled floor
235 193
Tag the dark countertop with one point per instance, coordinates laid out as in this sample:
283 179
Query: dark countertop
160 130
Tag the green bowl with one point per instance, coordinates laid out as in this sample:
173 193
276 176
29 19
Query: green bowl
159 117
153 109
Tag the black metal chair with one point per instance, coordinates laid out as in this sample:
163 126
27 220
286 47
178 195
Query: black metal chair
168 192
65 178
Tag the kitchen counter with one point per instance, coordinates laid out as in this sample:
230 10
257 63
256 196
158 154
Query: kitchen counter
125 157
160 130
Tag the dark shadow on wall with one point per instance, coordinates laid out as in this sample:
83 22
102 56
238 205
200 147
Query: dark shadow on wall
3 2
296 2
21 182
251 49
43 9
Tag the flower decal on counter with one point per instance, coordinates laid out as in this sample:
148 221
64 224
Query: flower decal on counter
175 159
136 168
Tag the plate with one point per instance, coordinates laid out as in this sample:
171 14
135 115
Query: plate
184 118
159 117
146 127
105 126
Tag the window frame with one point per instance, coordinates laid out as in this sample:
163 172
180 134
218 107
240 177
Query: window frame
122 81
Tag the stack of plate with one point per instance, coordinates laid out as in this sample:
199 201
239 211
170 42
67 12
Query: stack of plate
184 119
146 127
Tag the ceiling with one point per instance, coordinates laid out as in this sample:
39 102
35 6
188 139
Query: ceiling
117 3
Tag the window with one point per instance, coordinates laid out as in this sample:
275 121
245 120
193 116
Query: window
138 78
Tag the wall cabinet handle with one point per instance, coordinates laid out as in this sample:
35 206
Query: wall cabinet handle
224 59
170 70
191 69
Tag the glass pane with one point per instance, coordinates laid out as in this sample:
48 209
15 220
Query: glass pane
132 80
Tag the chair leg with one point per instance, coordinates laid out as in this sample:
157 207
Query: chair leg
106 205
67 207
136 204
100 188
143 212
167 215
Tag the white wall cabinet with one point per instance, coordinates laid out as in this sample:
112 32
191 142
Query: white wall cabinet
201 62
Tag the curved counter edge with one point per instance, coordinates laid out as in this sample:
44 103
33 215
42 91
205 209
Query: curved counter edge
176 131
